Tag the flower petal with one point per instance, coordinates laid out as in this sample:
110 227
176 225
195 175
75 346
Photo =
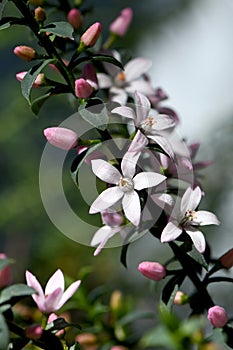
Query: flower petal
140 85
105 171
190 199
118 95
171 232
55 281
69 293
198 238
142 107
163 143
136 67
164 201
51 302
104 80
106 199
139 142
126 112
163 122
132 208
34 283
147 180
206 218
102 236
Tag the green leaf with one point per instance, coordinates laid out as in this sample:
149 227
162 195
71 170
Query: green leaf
4 334
5 25
158 336
107 58
30 77
123 258
168 290
133 316
63 29
172 297
38 102
15 292
95 114
198 257
2 5
60 324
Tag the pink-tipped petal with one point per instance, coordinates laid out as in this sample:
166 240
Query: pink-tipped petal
142 107
124 111
190 199
139 142
69 293
34 283
102 236
147 180
55 281
128 164
106 199
170 232
206 218
136 67
105 171
198 239
132 208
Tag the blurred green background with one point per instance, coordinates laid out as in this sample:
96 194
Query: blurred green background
189 42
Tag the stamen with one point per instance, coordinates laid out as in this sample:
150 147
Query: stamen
126 184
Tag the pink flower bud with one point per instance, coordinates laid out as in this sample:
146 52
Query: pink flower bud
121 24
5 273
226 259
40 14
82 88
34 332
27 53
119 347
153 270
39 82
180 298
111 219
61 137
74 17
217 316
91 35
89 74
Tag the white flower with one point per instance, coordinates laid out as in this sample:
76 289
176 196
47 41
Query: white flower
155 128
125 187
124 83
184 217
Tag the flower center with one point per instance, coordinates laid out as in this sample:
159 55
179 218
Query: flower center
120 79
126 184
189 217
148 123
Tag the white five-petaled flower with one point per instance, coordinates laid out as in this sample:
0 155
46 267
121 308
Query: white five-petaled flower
156 128
54 296
125 187
124 83
184 217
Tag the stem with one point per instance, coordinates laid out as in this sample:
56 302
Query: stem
46 43
187 265
219 279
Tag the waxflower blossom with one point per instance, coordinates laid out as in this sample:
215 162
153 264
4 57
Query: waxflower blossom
122 84
54 296
152 270
61 137
121 24
156 128
125 187
184 217
27 53
217 316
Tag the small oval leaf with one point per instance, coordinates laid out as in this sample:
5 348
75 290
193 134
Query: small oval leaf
62 29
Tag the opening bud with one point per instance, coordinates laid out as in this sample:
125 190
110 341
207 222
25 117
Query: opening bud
180 298
27 53
121 24
217 316
61 137
34 332
39 82
91 35
75 18
82 88
152 270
